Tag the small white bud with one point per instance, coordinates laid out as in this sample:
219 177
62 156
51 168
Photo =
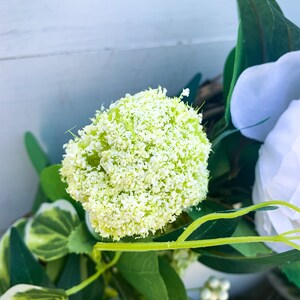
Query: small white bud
205 294
213 282
225 284
214 296
223 295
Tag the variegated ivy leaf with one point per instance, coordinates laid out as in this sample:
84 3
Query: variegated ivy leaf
4 255
47 233
32 292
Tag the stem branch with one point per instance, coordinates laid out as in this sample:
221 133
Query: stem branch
75 289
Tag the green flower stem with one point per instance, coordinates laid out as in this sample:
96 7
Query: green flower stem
290 232
75 289
181 242
157 246
215 216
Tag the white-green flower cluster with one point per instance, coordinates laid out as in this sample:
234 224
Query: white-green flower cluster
139 164
215 289
182 259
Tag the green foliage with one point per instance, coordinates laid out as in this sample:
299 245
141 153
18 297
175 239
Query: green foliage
4 263
49 230
80 240
264 35
52 184
35 152
241 264
23 266
31 292
174 285
228 72
212 229
141 270
292 272
39 199
5 254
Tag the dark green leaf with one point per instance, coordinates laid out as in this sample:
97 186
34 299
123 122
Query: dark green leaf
261 25
36 154
54 268
218 163
193 86
125 290
71 275
292 272
95 290
228 72
55 189
52 184
250 250
241 264
19 225
39 199
77 269
211 229
141 270
23 266
174 284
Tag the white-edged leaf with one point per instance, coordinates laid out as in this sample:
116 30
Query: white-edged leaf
32 292
47 233
4 270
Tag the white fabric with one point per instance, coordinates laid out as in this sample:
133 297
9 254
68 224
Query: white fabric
265 91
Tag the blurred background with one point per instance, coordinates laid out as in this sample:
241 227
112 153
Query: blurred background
60 60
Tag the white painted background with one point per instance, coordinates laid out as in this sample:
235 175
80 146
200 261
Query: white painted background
61 59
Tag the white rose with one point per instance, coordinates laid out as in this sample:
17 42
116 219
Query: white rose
272 91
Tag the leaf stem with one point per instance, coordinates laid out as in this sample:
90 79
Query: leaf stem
181 242
75 289
157 246
230 215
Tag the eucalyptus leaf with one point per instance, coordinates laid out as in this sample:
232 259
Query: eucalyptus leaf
141 270
35 152
174 284
24 268
261 23
47 233
39 199
52 184
241 264
32 292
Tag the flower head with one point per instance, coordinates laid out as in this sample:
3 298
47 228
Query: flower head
139 164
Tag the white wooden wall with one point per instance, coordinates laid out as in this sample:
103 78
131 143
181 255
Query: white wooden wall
61 59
